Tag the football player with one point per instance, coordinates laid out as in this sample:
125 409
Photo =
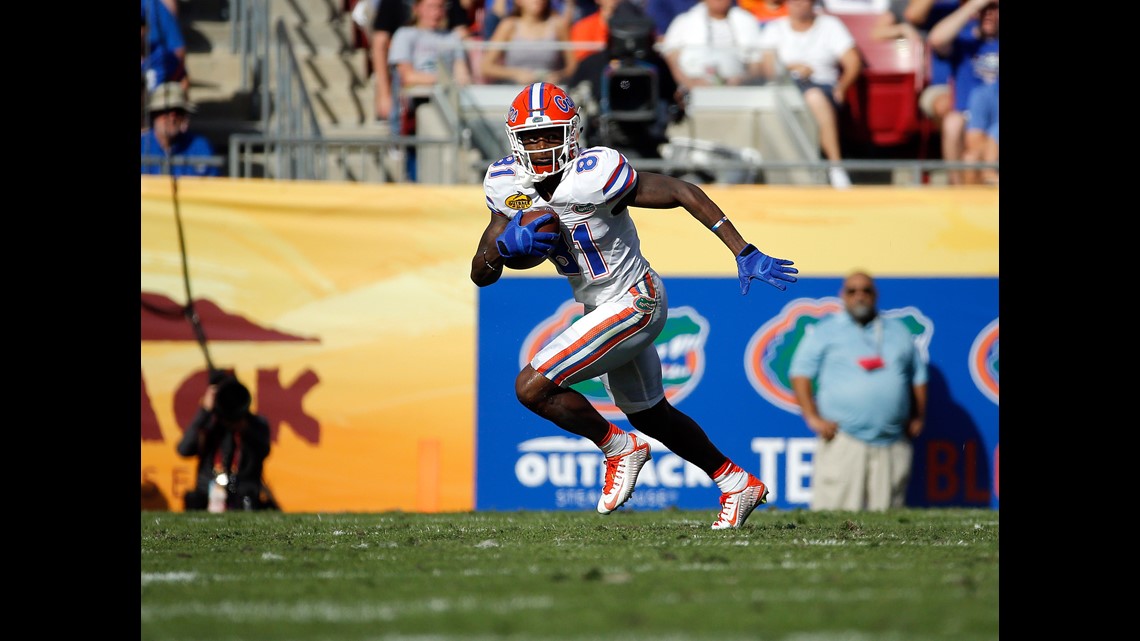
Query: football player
599 252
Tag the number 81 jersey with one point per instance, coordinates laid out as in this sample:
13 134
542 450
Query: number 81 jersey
599 251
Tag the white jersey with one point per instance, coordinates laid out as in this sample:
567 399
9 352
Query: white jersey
599 251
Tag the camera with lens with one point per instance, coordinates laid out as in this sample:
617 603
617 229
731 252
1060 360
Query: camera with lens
631 117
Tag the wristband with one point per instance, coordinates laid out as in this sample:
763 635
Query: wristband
723 220
488 263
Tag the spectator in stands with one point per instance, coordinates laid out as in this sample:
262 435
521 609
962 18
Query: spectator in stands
571 10
982 133
664 11
968 38
231 444
936 100
163 47
616 79
861 384
764 10
390 16
534 36
592 29
169 140
714 43
820 55
417 54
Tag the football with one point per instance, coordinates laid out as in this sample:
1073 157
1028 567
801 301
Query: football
529 262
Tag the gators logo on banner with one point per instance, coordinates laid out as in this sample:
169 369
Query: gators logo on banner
681 346
769 353
984 361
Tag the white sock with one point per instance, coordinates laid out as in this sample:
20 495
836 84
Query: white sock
617 441
731 479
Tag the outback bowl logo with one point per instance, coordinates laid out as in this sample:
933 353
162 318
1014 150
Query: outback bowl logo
681 346
984 361
574 468
519 201
769 353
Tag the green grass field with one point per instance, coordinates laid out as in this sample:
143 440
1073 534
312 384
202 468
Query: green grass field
907 575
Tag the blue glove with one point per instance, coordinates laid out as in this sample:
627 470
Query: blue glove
753 263
517 240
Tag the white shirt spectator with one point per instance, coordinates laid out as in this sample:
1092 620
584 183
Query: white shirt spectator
819 47
712 48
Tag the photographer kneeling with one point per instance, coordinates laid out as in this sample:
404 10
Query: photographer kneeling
628 89
231 444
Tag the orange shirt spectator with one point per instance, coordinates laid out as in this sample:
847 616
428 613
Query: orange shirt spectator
593 29
764 10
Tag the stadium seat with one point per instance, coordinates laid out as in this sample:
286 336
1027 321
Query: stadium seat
883 104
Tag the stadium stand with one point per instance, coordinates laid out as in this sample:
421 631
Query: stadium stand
283 91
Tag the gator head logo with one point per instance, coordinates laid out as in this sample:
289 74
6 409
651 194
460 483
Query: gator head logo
984 361
769 352
519 201
645 304
681 346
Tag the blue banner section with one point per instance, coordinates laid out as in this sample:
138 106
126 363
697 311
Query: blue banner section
725 359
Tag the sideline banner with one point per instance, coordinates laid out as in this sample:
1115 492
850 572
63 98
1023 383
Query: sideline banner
347 310
725 358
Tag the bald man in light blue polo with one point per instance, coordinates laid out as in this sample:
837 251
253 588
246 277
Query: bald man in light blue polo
867 403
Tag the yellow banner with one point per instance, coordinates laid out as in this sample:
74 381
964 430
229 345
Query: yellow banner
347 310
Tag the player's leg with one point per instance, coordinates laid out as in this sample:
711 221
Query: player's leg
741 492
604 338
565 407
637 390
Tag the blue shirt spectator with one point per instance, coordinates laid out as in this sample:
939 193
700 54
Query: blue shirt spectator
170 134
860 380
923 16
971 46
164 49
869 400
974 62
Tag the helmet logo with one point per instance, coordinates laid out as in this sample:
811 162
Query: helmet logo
564 102
513 114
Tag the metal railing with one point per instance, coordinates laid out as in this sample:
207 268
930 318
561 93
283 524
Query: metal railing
287 115
354 159
249 38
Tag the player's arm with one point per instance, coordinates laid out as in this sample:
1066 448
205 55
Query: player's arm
487 264
658 191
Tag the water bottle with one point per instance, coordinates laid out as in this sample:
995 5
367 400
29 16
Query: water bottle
217 494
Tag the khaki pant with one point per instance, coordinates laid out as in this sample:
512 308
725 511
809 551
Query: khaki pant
849 474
